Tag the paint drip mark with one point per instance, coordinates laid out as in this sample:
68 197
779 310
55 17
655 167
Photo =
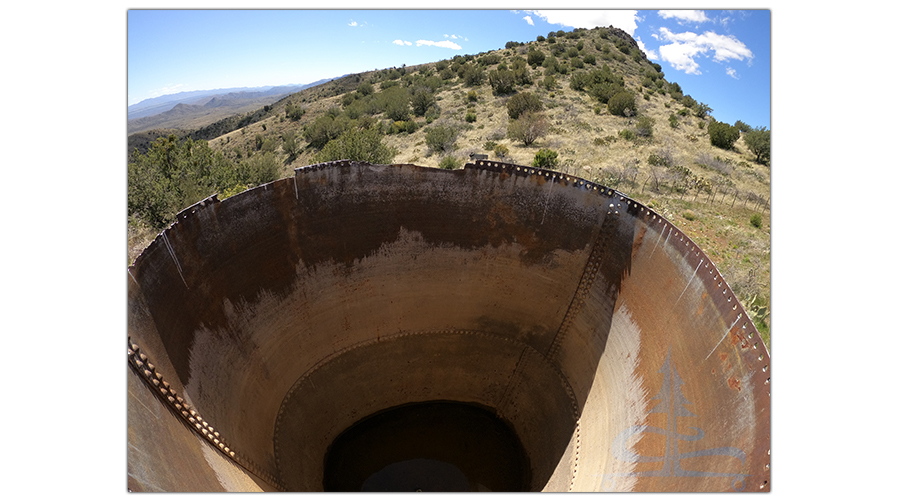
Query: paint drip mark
547 201
723 338
177 264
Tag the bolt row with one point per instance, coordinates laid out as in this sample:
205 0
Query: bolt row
151 376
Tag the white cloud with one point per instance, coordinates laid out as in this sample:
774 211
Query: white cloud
528 20
650 54
352 23
732 73
401 42
445 44
169 89
685 47
697 16
622 19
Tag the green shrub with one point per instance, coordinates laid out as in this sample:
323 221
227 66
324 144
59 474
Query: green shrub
622 104
449 163
422 98
723 135
470 116
689 215
545 158
522 103
536 57
673 120
294 112
357 145
756 220
549 83
441 138
502 81
644 126
626 134
501 151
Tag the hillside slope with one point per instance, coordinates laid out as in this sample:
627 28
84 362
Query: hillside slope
718 196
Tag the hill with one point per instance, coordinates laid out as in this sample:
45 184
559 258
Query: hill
656 148
190 110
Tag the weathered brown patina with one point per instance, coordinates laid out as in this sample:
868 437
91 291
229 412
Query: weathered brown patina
596 329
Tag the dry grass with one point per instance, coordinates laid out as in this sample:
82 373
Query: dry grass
589 146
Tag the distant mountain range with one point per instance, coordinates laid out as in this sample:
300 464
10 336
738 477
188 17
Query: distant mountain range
201 107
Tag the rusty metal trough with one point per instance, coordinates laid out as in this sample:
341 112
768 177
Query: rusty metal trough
264 326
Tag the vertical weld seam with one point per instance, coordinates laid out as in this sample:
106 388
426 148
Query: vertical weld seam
587 276
577 454
513 379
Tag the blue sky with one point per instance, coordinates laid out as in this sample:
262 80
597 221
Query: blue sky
721 58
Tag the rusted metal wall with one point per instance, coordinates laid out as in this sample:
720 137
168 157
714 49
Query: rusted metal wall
281 316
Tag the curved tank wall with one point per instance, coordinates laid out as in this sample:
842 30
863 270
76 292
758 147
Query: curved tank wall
263 326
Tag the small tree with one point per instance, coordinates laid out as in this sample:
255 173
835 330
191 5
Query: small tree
701 110
758 142
422 98
545 158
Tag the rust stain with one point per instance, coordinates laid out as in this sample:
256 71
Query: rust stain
735 338
734 383
638 240
723 356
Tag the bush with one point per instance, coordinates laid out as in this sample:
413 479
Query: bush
528 127
756 220
673 120
294 112
473 76
689 215
742 127
408 127
545 158
357 145
449 163
365 88
622 104
644 127
502 81
536 58
441 138
422 99
289 143
470 116
522 103
549 83
723 135
501 151
626 134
